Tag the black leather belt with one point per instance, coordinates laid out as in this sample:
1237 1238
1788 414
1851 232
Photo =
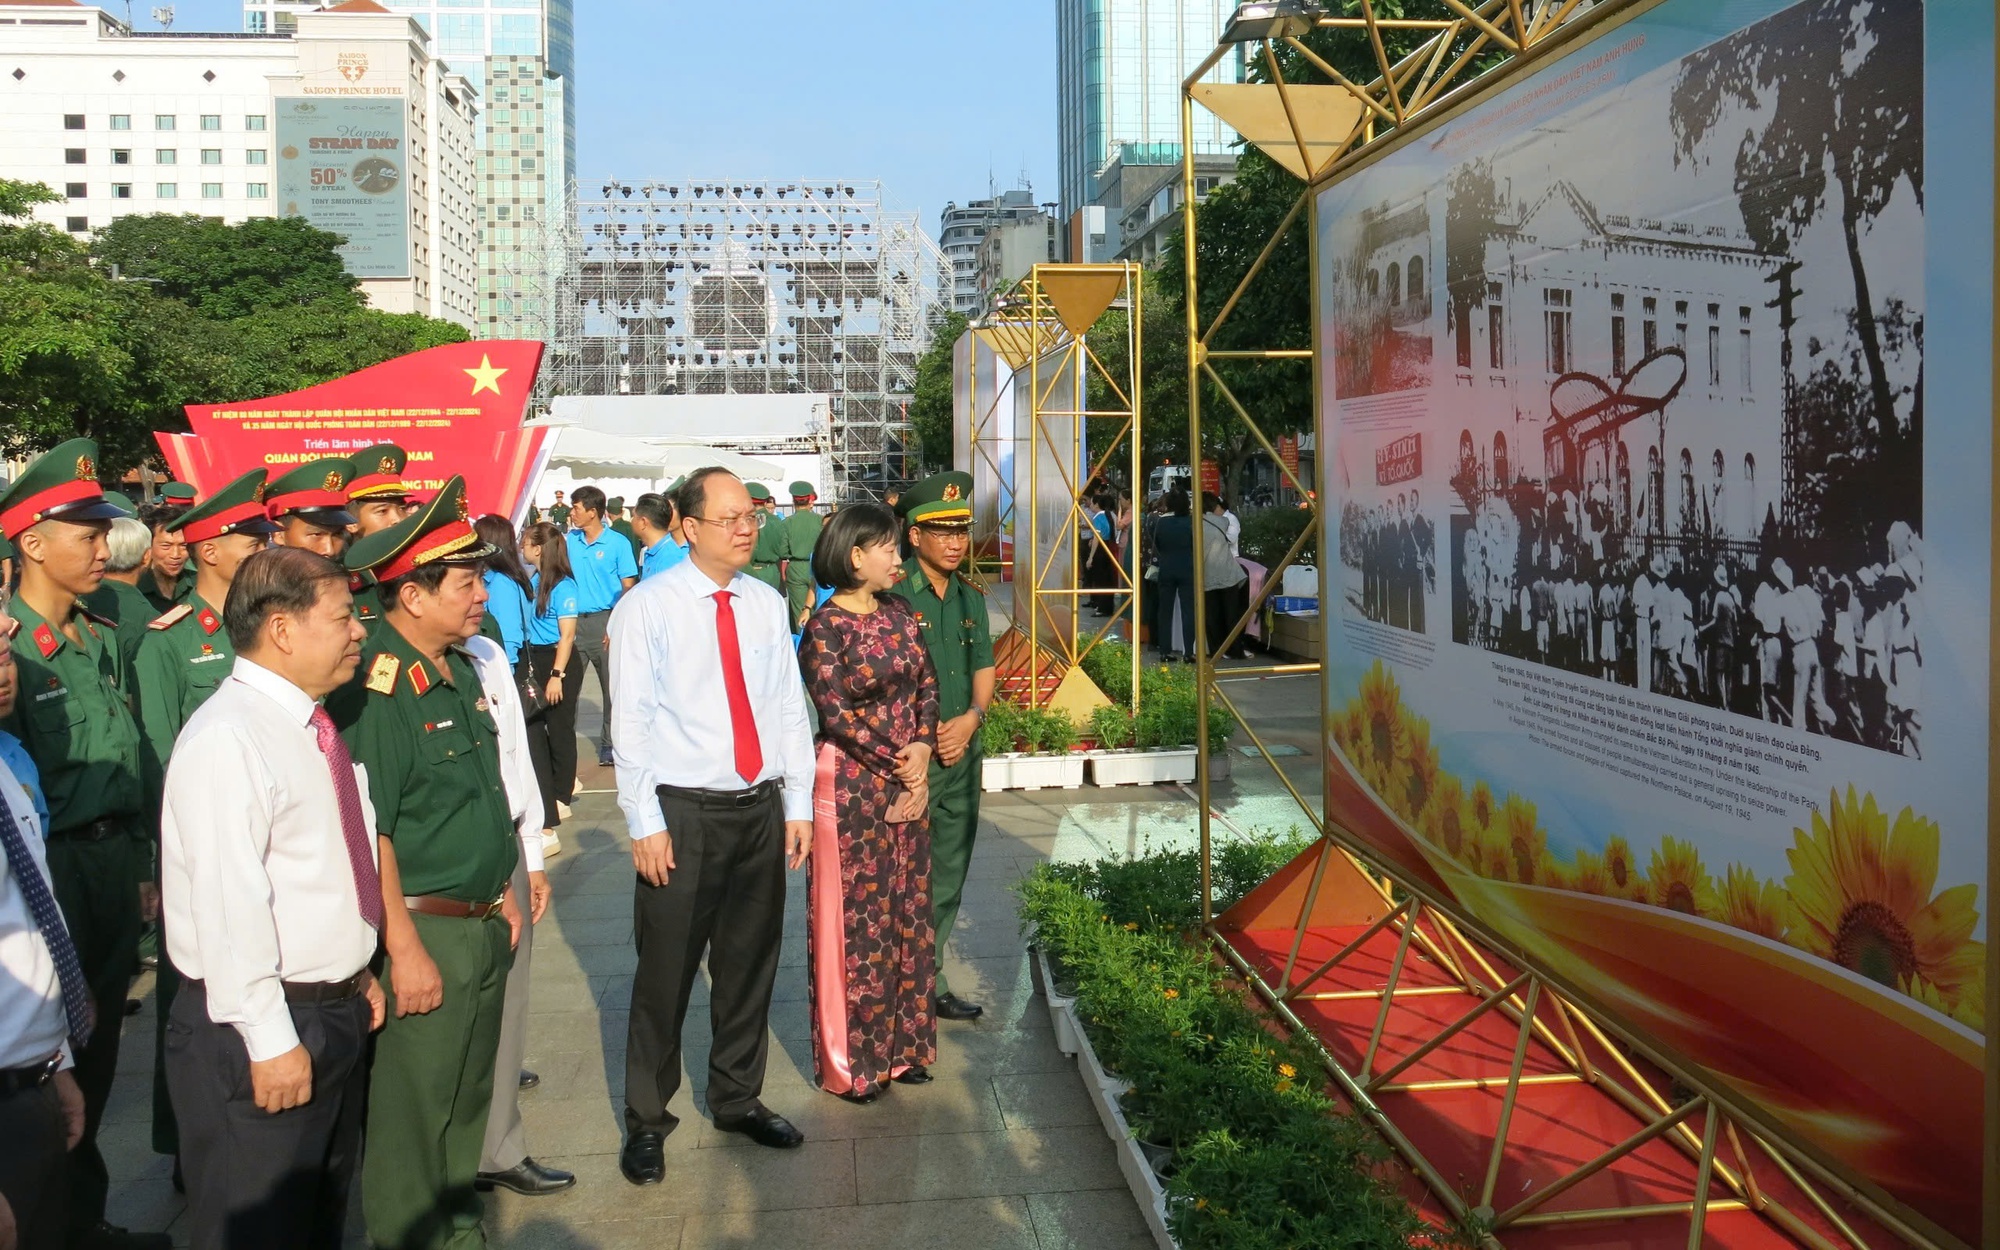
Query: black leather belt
733 799
305 993
15 1080
95 831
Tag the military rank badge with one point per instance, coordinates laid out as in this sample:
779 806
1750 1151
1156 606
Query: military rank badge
382 676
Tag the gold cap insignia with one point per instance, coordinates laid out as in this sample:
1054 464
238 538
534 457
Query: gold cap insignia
333 481
952 494
257 496
463 511
387 465
85 468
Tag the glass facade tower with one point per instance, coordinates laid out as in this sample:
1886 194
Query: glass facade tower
520 55
1119 69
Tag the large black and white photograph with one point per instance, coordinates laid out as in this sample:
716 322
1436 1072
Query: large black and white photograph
1388 541
1684 377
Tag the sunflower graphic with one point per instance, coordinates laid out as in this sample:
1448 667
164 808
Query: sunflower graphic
1752 904
1350 730
1444 822
1385 733
1676 880
1525 847
1861 898
1416 775
1481 805
1621 872
1587 875
1968 1008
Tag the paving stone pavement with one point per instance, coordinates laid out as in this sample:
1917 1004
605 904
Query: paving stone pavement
1003 1149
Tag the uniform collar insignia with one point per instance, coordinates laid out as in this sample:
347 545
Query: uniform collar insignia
209 621
46 640
480 703
354 583
382 674
420 677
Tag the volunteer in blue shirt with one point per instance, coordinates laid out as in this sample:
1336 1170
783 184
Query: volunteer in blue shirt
601 560
653 522
551 639
508 586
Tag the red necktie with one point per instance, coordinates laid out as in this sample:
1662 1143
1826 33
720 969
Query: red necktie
742 721
360 856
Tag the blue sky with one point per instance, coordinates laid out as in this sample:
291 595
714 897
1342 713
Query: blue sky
926 95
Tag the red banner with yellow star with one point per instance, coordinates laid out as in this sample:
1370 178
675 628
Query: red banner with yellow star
456 409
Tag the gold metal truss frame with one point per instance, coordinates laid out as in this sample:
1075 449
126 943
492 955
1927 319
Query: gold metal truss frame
1049 328
1319 132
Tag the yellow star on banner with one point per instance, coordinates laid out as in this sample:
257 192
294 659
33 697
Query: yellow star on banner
485 377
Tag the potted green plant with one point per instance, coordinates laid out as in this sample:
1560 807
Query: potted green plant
1050 737
998 735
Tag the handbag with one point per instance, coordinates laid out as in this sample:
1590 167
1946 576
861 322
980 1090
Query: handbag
533 705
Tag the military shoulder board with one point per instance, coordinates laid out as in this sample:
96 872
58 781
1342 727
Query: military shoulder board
382 675
171 617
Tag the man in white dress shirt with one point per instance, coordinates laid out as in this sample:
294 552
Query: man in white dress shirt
41 1106
715 773
270 885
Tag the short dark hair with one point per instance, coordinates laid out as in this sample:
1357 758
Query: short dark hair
276 579
692 496
589 498
162 515
656 509
1177 502
861 525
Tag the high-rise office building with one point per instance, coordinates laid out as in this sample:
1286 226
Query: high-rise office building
520 56
961 230
1119 69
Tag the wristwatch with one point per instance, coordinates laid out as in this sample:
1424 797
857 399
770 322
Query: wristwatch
555 672
979 712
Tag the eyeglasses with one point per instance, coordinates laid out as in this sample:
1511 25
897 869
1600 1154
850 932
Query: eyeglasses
740 522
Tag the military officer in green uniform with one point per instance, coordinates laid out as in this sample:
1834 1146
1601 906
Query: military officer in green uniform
952 615
418 722
168 579
801 535
377 499
74 717
768 557
181 661
309 506
614 518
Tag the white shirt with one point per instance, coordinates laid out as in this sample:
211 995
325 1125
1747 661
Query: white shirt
256 886
669 710
32 1023
1234 524
517 767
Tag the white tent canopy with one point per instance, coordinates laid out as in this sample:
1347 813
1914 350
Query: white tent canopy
589 454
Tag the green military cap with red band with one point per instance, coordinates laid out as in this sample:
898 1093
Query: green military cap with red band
237 508
58 485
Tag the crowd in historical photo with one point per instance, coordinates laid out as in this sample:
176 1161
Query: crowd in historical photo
1394 546
1760 628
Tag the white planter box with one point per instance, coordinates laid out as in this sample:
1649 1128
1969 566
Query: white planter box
997 771
1105 1089
1062 1015
1046 772
1145 1186
1141 768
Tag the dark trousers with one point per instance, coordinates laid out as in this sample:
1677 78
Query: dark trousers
1174 588
97 886
590 649
1225 607
559 728
34 1169
257 1179
726 898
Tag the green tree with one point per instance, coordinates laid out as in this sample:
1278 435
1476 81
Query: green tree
931 412
224 271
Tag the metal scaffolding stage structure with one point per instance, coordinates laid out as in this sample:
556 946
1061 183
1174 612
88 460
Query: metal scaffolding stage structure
748 288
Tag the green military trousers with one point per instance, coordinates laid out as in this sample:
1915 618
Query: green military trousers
430 1090
97 887
954 823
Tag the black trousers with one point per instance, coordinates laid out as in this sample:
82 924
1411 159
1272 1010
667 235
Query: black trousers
254 1178
560 725
538 741
34 1166
726 898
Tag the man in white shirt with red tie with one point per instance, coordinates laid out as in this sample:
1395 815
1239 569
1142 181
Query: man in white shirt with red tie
715 773
270 884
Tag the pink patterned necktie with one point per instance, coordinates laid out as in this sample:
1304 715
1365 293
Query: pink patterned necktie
360 857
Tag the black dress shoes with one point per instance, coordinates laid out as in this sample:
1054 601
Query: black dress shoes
105 1235
529 1079
644 1160
915 1074
763 1126
527 1177
952 1007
